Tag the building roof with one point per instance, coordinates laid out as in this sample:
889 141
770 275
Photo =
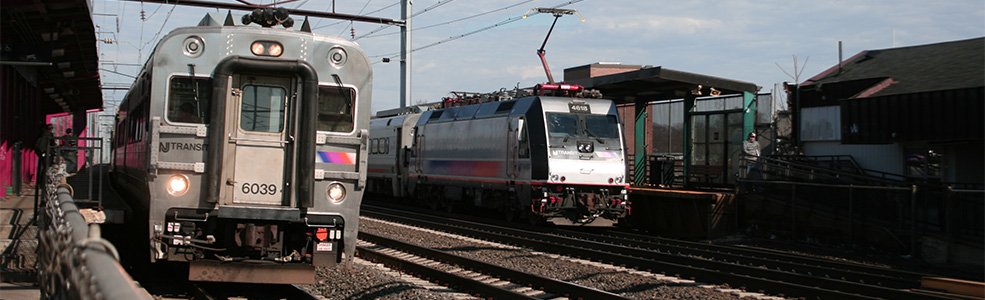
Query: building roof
623 83
932 67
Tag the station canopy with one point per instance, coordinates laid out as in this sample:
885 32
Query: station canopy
629 83
53 42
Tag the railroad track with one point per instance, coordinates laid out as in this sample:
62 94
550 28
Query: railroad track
223 291
752 271
170 282
479 279
757 257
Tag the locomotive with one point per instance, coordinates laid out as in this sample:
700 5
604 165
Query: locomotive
558 160
243 149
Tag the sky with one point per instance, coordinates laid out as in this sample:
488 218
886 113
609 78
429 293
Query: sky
752 41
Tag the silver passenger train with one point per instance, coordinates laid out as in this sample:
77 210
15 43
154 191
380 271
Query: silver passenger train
244 149
549 159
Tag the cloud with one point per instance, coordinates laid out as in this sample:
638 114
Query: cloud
742 40
663 26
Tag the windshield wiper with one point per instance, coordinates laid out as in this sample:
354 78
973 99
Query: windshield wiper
589 133
570 134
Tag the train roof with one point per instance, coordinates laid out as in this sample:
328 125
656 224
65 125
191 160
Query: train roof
512 107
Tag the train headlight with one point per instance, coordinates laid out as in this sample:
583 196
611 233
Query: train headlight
276 50
257 48
178 185
266 48
193 46
336 193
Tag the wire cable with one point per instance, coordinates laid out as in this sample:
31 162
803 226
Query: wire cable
359 13
449 39
370 34
429 8
369 13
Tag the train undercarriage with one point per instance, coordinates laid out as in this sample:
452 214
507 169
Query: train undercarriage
558 205
248 251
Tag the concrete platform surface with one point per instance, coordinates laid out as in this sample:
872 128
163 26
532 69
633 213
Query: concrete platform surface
19 291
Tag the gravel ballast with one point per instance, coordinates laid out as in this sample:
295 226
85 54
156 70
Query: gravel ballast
626 282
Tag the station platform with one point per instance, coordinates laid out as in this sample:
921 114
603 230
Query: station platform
18 241
19 291
684 214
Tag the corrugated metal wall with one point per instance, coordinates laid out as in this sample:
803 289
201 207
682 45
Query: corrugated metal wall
935 116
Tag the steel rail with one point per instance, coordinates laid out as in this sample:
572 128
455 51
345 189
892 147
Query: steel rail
752 278
761 258
545 284
226 290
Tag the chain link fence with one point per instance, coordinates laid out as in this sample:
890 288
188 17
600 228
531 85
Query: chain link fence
74 261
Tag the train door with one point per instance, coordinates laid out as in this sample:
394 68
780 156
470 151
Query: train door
261 138
513 138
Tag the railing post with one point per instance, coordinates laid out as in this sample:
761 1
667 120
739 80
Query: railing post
16 174
947 213
851 214
913 219
793 208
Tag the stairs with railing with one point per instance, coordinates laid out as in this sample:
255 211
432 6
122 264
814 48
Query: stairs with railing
916 208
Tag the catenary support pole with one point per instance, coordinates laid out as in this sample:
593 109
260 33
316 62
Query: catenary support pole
405 49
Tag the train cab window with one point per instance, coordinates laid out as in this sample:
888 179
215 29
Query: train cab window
335 109
603 126
562 125
263 108
183 106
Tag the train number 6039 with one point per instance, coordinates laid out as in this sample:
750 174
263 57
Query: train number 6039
259 188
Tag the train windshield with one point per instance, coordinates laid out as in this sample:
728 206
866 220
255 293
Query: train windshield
603 126
184 106
263 108
565 125
335 109
562 125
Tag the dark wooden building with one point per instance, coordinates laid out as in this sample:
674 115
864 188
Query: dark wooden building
916 111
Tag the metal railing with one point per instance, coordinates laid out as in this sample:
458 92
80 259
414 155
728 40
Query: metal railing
92 149
74 262
906 211
663 171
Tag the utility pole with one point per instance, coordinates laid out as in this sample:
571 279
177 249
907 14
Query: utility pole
405 49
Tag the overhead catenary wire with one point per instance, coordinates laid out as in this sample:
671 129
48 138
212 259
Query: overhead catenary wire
370 34
359 13
429 8
163 25
369 13
391 56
